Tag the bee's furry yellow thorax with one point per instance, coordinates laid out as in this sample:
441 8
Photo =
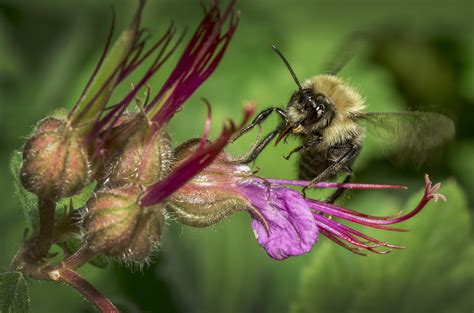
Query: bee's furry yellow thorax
347 102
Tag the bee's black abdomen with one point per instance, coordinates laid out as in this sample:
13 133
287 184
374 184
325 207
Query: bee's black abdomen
311 164
315 161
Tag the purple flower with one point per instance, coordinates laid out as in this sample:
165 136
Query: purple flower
309 217
198 183
284 222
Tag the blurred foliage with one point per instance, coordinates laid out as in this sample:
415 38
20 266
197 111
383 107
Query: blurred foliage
13 293
420 55
399 282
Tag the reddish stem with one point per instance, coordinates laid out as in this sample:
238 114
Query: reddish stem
44 240
79 258
93 295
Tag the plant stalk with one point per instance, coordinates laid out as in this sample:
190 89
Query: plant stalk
44 240
93 295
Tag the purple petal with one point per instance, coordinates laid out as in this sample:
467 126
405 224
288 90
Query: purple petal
282 223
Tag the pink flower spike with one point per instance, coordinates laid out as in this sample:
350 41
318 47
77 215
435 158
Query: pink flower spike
429 194
198 61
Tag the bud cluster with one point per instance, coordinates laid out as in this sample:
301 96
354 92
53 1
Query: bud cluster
128 155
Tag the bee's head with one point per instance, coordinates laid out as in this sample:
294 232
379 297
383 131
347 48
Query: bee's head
309 111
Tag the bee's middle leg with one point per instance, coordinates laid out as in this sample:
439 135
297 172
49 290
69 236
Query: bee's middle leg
305 146
339 165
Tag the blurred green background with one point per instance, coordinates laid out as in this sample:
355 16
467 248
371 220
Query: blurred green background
420 55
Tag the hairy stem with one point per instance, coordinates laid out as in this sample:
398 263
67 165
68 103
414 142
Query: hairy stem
79 258
93 295
44 240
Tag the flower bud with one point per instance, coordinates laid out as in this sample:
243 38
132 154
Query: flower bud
117 226
212 194
55 160
142 157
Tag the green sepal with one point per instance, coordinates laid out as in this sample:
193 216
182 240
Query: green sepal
103 82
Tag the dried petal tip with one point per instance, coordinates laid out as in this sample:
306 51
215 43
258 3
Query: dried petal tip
116 225
250 107
431 191
55 160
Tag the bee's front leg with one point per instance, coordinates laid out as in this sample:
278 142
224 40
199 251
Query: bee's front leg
254 153
262 116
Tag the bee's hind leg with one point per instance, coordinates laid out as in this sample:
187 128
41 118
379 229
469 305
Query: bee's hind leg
340 165
339 191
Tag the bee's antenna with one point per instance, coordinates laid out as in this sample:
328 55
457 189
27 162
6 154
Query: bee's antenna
288 66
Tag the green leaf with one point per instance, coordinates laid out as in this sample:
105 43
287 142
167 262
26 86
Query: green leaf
77 201
104 80
13 293
433 274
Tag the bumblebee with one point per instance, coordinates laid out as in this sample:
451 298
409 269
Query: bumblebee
329 117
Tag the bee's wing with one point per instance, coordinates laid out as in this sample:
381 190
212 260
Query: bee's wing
408 136
346 51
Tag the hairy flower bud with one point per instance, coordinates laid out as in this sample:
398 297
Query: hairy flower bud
210 196
117 226
142 157
55 160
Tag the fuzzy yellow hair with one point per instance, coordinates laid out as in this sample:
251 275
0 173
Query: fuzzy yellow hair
347 102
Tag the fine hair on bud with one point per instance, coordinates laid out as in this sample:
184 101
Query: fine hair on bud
114 224
55 160
208 197
142 157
